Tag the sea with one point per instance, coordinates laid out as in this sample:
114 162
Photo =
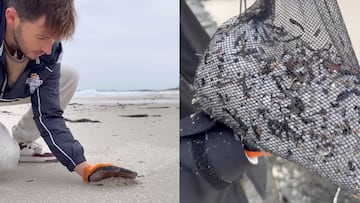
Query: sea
94 92
126 97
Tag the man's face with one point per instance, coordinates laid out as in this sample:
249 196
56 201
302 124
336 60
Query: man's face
31 38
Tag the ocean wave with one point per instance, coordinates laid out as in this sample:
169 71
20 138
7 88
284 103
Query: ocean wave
94 92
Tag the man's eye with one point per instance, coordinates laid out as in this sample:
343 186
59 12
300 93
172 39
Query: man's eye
41 38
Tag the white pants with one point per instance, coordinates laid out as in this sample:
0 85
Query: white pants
26 130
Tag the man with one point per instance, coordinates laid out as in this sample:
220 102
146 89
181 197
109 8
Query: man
30 52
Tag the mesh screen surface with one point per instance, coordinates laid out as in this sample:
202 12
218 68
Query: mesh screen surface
285 77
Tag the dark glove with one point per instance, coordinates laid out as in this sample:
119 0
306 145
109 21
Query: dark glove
101 171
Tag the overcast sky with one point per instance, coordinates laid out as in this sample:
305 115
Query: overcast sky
125 45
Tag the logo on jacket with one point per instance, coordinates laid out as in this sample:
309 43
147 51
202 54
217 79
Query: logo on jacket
34 82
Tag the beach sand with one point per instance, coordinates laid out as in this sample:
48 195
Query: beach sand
137 132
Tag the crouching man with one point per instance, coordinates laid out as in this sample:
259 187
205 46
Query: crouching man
30 71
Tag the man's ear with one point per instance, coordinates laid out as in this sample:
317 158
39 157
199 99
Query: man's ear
11 16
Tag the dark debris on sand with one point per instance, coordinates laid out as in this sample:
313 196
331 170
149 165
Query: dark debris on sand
157 107
82 120
139 115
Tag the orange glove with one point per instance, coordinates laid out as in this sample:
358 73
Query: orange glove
101 171
254 154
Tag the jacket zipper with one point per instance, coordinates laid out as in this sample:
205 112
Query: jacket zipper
3 87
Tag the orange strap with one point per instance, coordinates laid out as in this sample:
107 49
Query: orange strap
254 154
90 169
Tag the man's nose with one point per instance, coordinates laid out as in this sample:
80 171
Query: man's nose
47 46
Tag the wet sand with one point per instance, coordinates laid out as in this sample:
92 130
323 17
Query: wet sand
147 144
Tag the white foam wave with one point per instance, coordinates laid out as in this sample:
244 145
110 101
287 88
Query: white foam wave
94 92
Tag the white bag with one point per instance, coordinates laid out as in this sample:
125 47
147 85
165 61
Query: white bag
9 151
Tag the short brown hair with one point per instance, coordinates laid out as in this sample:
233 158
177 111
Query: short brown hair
60 15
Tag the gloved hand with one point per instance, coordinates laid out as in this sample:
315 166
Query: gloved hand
253 153
101 171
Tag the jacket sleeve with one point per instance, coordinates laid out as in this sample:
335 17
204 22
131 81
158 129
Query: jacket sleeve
51 124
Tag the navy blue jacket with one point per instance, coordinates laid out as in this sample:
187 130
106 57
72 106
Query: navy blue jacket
44 100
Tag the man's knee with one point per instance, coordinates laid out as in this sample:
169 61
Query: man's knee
69 75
